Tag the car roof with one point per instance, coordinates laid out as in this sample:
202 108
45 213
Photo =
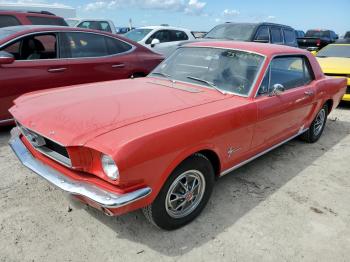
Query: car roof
257 24
16 31
260 48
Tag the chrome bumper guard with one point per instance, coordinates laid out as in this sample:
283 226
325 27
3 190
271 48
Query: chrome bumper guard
102 197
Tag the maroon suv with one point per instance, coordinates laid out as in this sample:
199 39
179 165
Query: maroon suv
13 18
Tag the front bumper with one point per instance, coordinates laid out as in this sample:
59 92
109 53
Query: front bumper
101 197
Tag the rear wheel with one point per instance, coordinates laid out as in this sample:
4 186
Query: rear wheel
317 126
184 195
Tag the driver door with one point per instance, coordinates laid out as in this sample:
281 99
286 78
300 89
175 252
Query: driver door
283 115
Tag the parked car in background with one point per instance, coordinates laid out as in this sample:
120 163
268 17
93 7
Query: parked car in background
124 30
347 35
254 32
335 61
317 39
299 33
15 18
94 24
159 142
162 39
40 57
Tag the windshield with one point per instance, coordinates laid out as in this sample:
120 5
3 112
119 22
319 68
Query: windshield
315 33
239 32
228 70
72 22
335 51
137 34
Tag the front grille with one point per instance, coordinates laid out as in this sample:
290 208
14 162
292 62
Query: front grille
46 146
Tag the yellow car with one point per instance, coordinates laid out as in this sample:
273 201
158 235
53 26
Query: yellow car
335 61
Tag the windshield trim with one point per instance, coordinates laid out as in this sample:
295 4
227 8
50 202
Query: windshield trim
208 87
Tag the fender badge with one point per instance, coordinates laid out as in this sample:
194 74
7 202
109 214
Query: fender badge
232 150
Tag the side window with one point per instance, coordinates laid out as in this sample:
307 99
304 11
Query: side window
289 36
37 20
8 20
34 47
178 35
105 27
116 46
79 45
162 35
263 34
290 71
276 35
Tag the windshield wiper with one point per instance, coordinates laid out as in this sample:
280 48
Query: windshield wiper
208 83
161 74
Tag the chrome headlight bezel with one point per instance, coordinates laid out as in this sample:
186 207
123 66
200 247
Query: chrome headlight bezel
109 167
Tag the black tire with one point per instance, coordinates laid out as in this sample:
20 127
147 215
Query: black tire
158 212
311 136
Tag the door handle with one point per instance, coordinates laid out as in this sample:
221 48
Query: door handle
118 66
308 93
57 70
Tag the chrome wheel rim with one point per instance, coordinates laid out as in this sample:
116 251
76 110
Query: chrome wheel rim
319 122
185 194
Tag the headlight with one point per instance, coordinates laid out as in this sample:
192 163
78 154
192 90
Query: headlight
109 167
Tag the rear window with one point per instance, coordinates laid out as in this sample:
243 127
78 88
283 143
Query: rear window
37 20
8 20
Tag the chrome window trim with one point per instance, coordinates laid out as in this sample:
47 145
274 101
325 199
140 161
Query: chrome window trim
68 31
225 172
283 54
224 48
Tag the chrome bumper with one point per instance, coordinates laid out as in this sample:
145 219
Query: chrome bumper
102 197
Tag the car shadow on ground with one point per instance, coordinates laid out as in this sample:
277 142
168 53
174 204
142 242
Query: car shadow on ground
234 195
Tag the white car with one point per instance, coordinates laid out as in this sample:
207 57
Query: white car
161 39
96 24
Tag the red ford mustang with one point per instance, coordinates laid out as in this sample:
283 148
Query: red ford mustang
40 57
159 142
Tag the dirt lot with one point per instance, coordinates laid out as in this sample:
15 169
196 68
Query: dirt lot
292 204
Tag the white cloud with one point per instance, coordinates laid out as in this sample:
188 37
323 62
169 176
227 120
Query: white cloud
217 20
230 13
271 17
187 6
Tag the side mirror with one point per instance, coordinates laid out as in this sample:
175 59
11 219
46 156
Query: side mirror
154 42
6 58
277 90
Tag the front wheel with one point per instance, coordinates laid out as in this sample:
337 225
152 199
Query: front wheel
184 195
317 126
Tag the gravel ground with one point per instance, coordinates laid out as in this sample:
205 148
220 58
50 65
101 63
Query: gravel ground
289 205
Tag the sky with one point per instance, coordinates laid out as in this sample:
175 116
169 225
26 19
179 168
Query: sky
205 14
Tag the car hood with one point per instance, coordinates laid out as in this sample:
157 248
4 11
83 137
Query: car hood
73 116
334 65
